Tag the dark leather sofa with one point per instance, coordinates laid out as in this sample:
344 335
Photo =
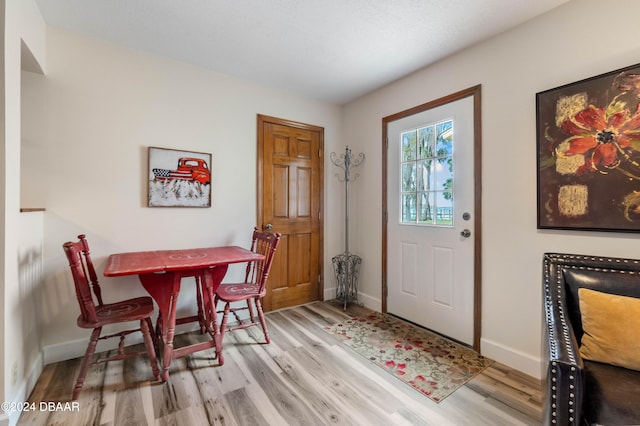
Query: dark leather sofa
578 391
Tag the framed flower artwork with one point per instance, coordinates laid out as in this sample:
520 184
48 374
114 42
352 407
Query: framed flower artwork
588 141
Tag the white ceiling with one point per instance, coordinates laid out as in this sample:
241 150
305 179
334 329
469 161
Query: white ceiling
330 50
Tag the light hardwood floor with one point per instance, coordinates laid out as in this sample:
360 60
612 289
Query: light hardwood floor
304 377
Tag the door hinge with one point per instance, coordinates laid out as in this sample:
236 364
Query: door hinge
386 143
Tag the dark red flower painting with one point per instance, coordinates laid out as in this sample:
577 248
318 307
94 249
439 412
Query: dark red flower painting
589 153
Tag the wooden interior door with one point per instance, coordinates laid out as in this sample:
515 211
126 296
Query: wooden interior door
290 189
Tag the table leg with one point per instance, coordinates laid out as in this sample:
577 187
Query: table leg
164 289
212 277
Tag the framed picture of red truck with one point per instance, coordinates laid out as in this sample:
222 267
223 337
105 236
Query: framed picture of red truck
179 178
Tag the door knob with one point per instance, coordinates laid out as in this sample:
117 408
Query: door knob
267 227
466 233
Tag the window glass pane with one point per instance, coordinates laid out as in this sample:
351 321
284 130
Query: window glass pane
425 175
409 146
444 174
426 138
426 207
444 142
409 207
408 177
444 215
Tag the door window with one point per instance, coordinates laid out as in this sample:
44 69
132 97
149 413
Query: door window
426 194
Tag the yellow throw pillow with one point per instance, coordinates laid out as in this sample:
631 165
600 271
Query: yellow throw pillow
611 325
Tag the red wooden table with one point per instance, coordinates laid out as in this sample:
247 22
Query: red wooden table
161 272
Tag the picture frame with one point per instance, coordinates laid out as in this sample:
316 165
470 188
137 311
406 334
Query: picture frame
588 154
179 178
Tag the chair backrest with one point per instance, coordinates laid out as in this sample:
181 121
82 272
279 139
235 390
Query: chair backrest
264 243
84 277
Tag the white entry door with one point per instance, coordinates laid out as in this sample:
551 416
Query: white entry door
430 202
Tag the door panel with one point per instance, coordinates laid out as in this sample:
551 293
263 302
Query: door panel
279 268
431 271
303 192
280 191
290 176
409 268
443 277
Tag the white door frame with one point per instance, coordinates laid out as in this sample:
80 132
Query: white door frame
474 92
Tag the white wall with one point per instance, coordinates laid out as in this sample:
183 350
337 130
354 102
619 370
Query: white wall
90 122
576 41
22 25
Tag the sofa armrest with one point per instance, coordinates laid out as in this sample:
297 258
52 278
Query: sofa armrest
565 369
565 376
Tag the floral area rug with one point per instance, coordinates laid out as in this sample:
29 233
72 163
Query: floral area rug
431 364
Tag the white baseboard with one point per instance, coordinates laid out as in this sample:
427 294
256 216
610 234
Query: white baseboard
64 351
373 303
23 392
329 293
32 378
515 359
76 348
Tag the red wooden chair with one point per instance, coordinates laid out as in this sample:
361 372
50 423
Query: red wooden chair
252 289
95 316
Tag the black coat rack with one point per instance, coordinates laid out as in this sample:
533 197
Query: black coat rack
346 266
